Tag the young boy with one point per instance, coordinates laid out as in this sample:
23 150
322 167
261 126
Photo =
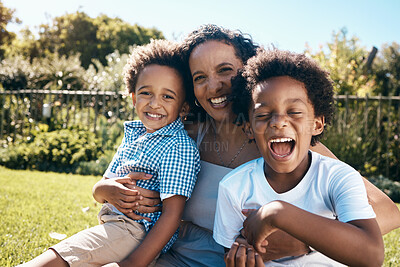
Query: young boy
319 200
156 145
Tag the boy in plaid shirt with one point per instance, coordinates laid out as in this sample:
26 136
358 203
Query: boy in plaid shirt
158 146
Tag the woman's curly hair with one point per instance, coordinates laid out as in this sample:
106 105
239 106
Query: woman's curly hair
158 52
275 63
243 44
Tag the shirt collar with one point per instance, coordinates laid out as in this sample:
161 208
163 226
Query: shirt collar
169 129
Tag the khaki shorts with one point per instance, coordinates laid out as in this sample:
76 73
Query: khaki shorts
111 241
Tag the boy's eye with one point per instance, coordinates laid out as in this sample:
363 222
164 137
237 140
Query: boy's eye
262 116
295 113
169 97
144 93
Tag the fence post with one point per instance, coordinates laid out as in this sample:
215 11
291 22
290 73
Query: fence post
96 100
388 134
2 114
366 115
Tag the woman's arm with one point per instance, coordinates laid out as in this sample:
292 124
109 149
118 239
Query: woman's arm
387 213
123 194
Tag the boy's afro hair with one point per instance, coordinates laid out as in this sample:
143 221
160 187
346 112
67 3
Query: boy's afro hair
158 52
275 63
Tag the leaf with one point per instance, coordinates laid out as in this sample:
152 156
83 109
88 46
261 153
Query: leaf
57 236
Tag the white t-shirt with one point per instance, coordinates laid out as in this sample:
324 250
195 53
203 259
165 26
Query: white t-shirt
330 188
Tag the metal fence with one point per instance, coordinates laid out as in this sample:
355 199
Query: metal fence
372 121
21 110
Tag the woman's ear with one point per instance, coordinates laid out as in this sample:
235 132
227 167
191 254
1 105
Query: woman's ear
184 110
319 124
133 99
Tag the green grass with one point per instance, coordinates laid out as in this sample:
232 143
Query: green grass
33 204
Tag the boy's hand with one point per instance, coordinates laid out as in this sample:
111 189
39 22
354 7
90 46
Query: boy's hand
258 226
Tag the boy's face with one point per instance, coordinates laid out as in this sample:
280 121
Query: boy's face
159 96
283 122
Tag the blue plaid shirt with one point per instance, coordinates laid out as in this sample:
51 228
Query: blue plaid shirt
169 154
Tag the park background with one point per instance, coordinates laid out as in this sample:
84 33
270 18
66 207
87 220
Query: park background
62 95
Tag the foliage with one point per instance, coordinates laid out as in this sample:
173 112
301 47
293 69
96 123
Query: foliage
51 72
59 150
387 70
91 38
369 144
6 16
15 73
33 204
345 60
108 77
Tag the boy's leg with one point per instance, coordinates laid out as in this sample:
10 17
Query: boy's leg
109 242
50 258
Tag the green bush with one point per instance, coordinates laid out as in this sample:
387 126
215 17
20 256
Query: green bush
59 150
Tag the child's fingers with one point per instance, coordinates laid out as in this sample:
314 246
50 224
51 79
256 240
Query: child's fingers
124 180
259 247
139 176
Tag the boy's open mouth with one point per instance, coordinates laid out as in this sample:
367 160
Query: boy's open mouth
282 147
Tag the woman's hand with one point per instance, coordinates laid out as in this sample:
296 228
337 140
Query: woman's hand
242 255
123 194
148 199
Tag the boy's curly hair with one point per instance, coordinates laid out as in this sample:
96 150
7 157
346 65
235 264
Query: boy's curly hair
158 52
275 63
243 44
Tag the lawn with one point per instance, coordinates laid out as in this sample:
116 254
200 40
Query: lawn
34 204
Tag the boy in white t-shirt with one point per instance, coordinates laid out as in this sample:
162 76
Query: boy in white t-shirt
319 200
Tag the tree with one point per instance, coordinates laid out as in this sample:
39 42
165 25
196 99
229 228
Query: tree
92 38
387 70
345 60
6 16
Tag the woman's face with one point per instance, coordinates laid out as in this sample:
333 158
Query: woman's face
212 65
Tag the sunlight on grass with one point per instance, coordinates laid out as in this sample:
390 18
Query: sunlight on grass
34 204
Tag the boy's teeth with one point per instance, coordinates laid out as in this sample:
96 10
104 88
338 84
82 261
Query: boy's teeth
154 115
218 100
281 140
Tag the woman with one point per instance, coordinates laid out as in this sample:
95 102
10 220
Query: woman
214 56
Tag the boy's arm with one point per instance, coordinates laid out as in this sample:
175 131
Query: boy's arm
355 243
160 234
387 213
